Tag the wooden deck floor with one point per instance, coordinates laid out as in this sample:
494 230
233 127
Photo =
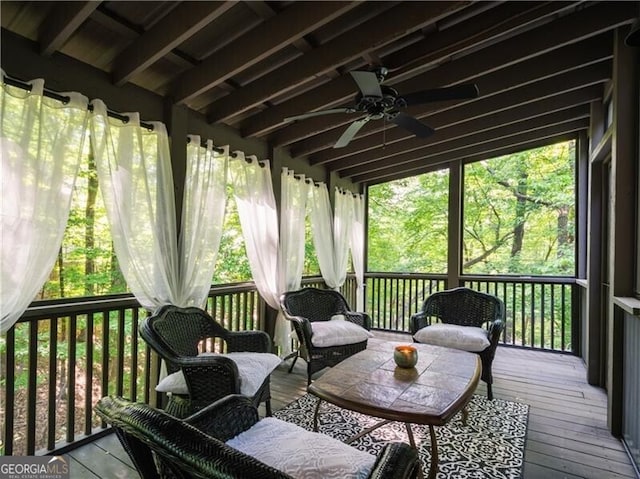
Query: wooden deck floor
567 432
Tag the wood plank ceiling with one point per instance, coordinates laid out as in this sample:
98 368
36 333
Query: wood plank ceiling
249 65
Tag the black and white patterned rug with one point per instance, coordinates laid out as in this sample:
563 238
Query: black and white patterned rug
490 446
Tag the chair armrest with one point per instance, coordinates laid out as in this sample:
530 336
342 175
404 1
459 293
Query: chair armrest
359 318
418 321
396 461
226 418
302 327
209 378
495 330
248 341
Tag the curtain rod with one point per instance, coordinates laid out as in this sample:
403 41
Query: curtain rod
217 149
65 99
7 80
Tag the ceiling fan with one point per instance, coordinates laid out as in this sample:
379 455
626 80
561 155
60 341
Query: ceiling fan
379 101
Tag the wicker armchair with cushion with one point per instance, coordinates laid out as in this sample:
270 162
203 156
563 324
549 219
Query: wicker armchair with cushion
227 440
327 329
196 379
467 319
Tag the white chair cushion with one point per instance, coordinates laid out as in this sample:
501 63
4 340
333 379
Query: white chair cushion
337 332
253 369
301 453
466 338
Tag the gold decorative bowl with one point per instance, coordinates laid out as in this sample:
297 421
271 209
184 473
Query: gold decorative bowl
405 356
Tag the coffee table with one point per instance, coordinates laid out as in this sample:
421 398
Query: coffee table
369 382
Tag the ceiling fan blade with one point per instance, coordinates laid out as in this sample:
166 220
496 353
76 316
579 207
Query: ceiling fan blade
311 114
456 92
367 83
416 127
350 132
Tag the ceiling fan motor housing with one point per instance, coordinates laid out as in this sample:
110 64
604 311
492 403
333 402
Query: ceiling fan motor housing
379 106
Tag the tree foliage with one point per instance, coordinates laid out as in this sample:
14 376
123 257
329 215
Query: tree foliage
518 217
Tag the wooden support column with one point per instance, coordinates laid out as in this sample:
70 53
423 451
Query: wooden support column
176 119
593 351
582 195
623 215
454 258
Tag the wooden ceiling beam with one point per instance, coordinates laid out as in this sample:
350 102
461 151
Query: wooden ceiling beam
130 32
436 46
559 62
184 21
372 34
484 150
469 130
266 39
587 23
64 20
494 25
520 128
508 150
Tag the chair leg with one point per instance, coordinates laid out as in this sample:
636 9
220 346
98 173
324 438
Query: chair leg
293 363
489 392
267 405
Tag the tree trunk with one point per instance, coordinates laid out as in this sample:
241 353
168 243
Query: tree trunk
89 230
563 230
118 284
61 272
521 210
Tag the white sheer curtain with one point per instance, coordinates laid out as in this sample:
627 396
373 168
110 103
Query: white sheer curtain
331 234
253 192
203 209
291 252
134 172
42 145
357 246
322 229
276 258
342 221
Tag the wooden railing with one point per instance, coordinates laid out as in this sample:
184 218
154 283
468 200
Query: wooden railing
391 298
62 356
58 360
540 312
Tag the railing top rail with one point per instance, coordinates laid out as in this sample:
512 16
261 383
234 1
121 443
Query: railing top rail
478 277
45 311
406 275
520 279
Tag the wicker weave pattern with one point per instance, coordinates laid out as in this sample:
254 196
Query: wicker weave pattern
307 305
466 307
195 448
174 333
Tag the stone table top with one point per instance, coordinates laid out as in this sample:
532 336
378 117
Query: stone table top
369 382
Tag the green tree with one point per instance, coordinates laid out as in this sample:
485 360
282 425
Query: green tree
408 224
518 213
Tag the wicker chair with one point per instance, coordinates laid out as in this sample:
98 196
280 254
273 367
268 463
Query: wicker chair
175 333
309 305
162 446
465 307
